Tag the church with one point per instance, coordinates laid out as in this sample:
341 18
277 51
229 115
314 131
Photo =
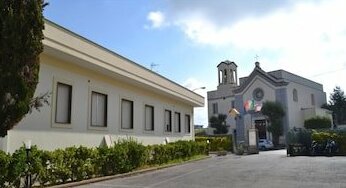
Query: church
300 98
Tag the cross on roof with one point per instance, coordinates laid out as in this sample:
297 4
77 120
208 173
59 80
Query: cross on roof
256 57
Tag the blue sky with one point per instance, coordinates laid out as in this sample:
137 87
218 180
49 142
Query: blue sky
187 39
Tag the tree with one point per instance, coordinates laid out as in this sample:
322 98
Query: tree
21 25
219 123
274 114
337 104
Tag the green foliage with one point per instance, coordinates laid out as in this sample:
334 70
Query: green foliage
298 136
317 123
4 163
338 136
305 137
219 123
217 143
80 163
337 104
21 44
184 150
274 113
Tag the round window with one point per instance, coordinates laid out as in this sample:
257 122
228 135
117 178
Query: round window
258 94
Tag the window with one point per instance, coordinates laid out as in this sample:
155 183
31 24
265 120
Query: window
215 108
149 118
98 109
168 121
177 124
295 95
126 114
312 99
63 103
187 124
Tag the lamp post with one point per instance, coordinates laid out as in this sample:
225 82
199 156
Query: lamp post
198 88
27 144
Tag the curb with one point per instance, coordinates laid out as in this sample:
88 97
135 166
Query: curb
104 178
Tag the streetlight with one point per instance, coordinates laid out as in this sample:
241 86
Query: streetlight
198 88
27 144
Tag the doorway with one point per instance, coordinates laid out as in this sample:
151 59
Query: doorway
260 125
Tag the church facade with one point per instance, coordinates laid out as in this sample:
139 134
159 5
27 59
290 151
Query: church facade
301 99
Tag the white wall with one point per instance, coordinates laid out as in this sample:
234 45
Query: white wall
44 132
269 90
295 114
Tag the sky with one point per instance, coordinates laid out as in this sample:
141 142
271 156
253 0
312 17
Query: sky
187 39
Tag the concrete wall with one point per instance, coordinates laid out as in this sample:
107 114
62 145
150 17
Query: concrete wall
224 105
44 132
296 115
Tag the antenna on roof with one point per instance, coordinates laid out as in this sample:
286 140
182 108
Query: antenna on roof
152 65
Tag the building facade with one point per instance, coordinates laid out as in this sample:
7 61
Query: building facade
98 97
301 99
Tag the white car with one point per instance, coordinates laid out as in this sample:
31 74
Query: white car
264 144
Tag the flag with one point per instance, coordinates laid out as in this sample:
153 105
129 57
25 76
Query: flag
233 112
258 107
249 105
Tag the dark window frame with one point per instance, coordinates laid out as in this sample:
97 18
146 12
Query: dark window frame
132 116
105 110
168 128
152 117
69 103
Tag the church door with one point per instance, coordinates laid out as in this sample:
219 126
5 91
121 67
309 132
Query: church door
260 125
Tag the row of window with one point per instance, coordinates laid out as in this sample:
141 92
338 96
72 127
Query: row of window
98 112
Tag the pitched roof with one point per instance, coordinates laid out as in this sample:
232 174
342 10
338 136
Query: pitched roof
261 73
227 62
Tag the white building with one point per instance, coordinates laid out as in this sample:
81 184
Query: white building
97 96
301 98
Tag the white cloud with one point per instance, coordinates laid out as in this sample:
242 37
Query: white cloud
156 18
307 38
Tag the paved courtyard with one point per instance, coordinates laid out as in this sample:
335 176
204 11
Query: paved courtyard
268 169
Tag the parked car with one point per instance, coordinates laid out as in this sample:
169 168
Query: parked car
264 144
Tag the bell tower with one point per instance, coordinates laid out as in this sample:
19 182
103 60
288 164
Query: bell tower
227 74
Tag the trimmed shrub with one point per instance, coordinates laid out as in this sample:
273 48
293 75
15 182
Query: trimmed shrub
217 143
79 163
299 136
317 123
338 136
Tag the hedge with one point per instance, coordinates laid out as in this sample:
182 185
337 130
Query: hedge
338 136
217 143
80 163
318 123
303 138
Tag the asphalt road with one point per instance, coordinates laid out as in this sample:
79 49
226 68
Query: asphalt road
268 169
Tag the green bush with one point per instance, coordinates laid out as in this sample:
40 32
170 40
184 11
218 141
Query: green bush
299 136
79 163
338 136
181 150
317 123
4 163
137 154
217 143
